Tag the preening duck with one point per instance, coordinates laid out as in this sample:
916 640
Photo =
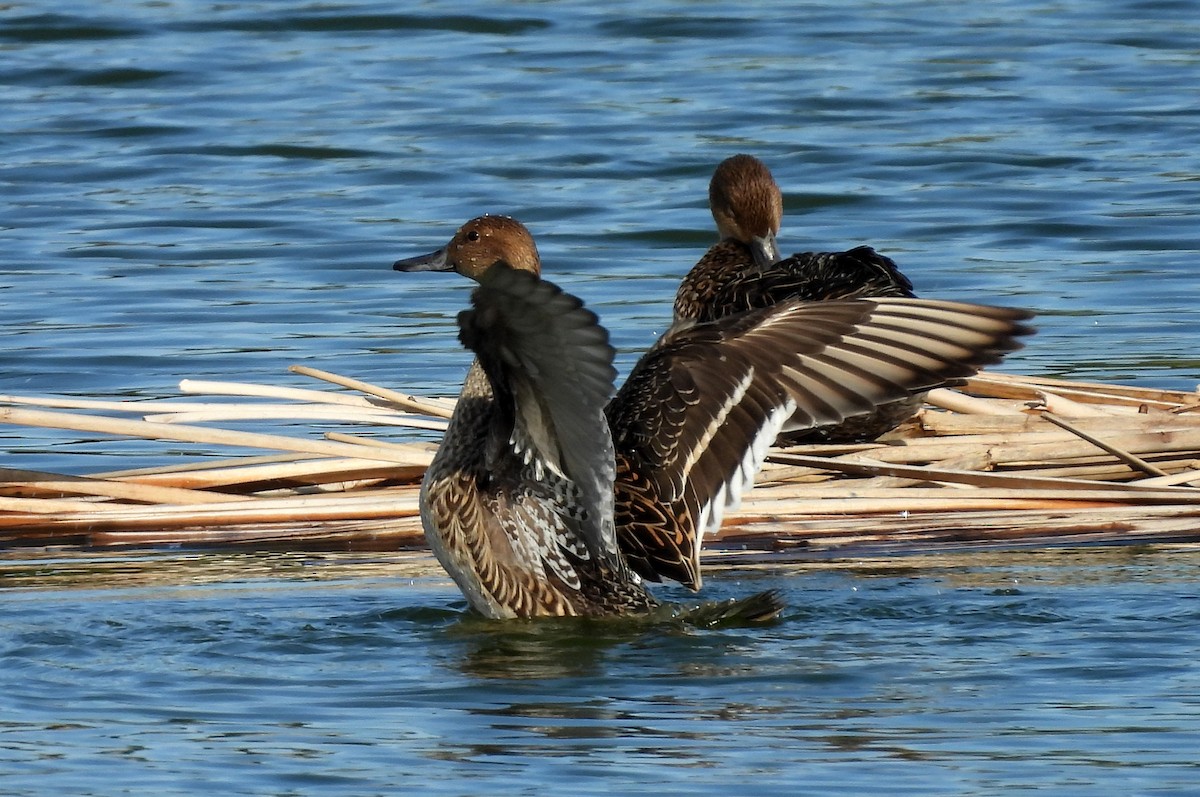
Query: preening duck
550 495
744 270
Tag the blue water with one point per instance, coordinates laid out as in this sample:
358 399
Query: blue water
216 191
1072 673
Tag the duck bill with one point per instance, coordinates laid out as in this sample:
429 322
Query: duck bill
434 261
764 250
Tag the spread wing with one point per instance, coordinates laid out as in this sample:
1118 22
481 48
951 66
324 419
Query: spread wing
693 422
550 366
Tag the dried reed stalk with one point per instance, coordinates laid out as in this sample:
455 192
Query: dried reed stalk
308 509
969 405
1028 388
197 434
207 464
211 388
295 412
949 423
426 406
391 535
35 483
984 469
322 471
1125 456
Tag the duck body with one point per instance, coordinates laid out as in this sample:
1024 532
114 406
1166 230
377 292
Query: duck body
513 507
499 532
550 495
727 280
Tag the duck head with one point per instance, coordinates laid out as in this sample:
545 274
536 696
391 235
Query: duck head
477 246
747 206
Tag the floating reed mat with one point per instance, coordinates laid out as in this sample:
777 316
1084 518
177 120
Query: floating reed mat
1002 461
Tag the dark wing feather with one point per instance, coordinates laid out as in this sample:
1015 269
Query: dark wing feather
726 281
693 422
550 365
857 273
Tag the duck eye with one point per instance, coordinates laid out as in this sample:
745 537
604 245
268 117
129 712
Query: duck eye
473 235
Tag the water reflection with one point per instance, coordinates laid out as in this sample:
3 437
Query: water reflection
586 647
567 648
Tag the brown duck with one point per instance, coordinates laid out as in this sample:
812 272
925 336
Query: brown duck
744 271
548 497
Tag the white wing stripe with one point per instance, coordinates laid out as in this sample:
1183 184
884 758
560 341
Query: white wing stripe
714 425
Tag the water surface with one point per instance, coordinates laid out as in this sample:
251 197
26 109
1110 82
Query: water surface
1069 672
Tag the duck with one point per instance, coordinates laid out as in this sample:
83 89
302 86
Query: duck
744 271
553 493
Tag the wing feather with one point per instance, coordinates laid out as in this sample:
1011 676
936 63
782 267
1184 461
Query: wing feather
700 410
550 365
